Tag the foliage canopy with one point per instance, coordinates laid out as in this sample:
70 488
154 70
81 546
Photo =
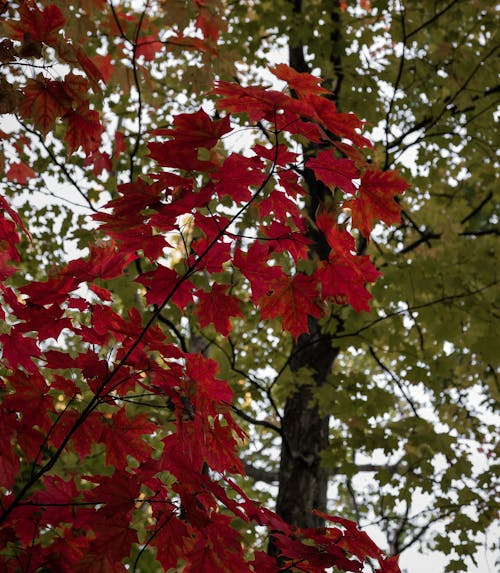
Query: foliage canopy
232 293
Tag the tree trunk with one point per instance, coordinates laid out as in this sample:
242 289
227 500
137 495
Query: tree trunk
303 481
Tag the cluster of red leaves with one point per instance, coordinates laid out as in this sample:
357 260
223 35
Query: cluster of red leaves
56 402
42 100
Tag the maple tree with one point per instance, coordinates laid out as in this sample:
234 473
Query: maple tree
120 372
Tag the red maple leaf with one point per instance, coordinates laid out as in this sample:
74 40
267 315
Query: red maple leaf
202 371
375 199
161 282
83 129
237 176
37 25
4 204
277 154
171 154
214 256
257 102
218 549
105 261
123 437
47 321
173 538
333 171
98 563
343 279
215 307
285 239
302 84
279 204
293 123
100 161
102 293
105 66
76 88
30 396
209 21
292 299
339 239
20 172
356 542
116 494
197 129
345 125
148 47
59 495
254 266
44 101
9 458
290 182
85 436
92 71
263 563
389 564
19 350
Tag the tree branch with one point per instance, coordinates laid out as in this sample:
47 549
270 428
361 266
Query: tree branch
259 474
396 380
432 19
263 423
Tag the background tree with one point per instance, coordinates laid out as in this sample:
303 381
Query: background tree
402 395
410 397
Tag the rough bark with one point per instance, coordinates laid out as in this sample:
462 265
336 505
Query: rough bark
303 481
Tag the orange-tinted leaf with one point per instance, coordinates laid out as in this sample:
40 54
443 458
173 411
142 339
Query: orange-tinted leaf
209 21
301 83
343 279
292 299
375 200
77 88
340 124
335 172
